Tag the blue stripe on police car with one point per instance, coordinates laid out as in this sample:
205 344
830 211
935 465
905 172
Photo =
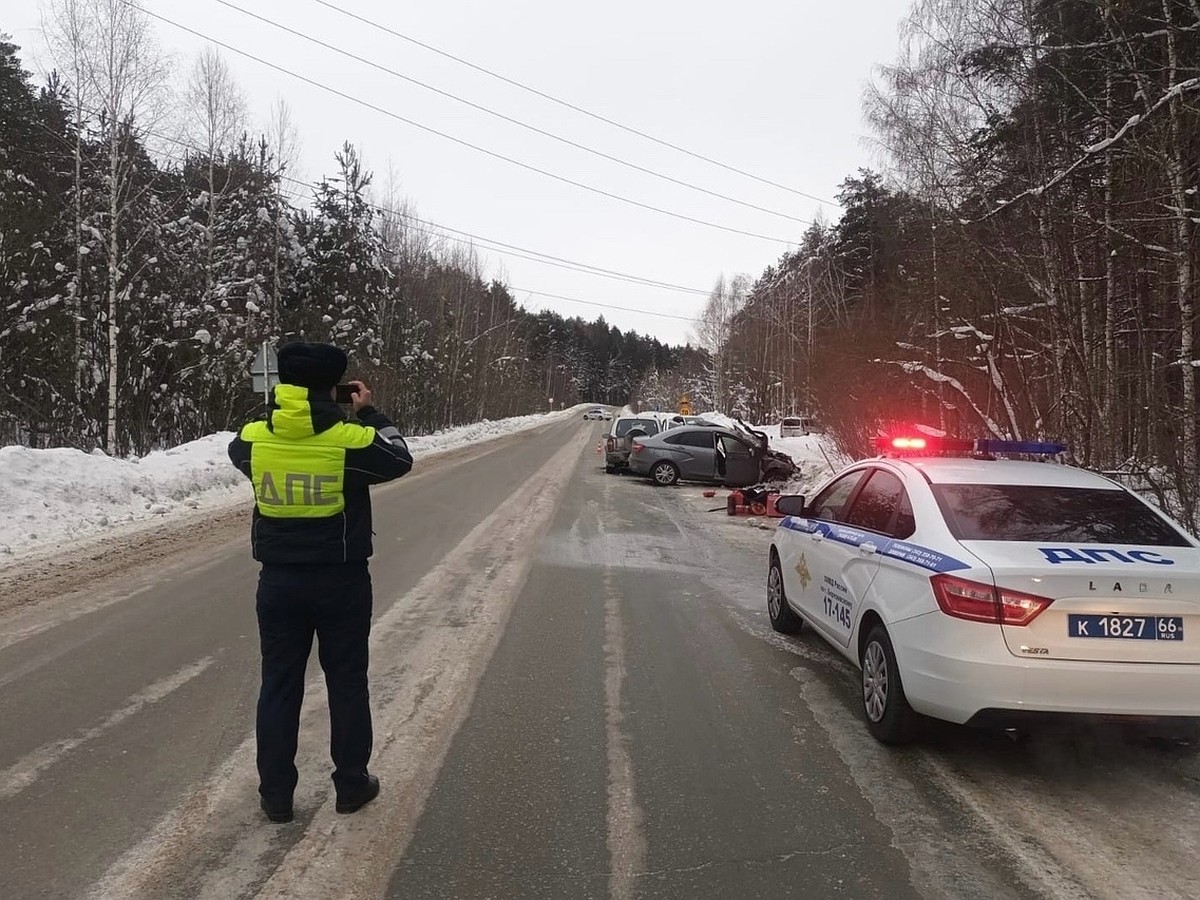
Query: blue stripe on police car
901 551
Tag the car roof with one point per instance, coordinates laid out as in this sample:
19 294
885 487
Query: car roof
964 470
699 429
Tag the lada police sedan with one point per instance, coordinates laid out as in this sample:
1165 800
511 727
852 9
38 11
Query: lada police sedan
994 592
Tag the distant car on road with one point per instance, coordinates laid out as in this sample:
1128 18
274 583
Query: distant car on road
598 413
797 426
993 592
707 453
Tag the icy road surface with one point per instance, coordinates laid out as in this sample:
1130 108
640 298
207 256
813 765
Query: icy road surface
577 694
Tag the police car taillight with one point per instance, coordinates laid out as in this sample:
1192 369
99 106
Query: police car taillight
978 602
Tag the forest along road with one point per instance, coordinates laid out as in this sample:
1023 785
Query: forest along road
576 694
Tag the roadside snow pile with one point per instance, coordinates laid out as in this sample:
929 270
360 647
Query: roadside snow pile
453 438
815 456
50 496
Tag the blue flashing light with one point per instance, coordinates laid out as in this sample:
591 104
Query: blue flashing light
1039 448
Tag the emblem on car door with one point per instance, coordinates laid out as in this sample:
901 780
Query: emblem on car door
802 572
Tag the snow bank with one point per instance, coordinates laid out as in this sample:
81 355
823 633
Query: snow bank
816 457
453 438
51 496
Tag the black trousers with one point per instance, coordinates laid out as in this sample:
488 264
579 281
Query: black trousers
294 603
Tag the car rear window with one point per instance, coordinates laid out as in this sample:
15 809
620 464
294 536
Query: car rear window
626 425
1007 512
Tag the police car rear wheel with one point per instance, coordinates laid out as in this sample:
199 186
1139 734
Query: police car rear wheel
783 618
889 717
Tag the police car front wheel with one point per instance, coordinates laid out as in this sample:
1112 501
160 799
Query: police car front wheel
889 717
783 619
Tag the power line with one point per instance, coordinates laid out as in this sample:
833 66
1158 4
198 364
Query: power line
566 104
510 249
459 141
644 312
583 268
385 210
468 238
491 112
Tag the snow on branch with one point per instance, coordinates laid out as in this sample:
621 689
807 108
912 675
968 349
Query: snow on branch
1096 45
916 368
1089 153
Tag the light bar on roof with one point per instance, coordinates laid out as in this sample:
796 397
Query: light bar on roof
987 446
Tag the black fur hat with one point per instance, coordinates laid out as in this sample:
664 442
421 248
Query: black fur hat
317 366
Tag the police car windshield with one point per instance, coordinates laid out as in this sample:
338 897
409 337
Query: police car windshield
1009 512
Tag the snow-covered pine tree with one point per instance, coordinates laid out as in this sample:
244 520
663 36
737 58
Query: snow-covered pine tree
36 363
342 277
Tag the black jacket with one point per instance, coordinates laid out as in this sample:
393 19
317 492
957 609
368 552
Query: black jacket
311 470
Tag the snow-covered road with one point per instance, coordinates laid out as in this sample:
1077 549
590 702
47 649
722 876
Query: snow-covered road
577 694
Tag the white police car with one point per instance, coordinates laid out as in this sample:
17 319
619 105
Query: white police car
993 592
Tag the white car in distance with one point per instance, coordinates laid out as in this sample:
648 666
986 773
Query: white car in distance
1005 593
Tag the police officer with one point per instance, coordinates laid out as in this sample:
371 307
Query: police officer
311 470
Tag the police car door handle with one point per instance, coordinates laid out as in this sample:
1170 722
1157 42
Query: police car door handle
867 548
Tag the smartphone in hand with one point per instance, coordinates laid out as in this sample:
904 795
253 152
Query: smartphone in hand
345 393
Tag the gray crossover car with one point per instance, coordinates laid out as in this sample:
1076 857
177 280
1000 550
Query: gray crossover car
715 455
620 437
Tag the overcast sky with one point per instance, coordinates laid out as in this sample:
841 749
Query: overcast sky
771 87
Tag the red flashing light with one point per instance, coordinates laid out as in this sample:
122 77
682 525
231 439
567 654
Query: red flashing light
921 444
978 602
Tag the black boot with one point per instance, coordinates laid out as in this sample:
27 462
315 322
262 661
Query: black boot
277 811
353 801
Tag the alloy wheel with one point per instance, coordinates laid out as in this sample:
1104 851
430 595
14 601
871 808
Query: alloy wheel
875 681
774 591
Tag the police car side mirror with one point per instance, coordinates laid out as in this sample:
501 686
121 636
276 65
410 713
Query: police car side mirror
791 505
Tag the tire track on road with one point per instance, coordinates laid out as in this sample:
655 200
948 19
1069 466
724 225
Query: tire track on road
29 768
626 838
434 644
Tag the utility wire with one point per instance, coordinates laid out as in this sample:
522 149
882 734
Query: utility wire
635 279
644 312
564 103
459 141
467 237
520 252
491 112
